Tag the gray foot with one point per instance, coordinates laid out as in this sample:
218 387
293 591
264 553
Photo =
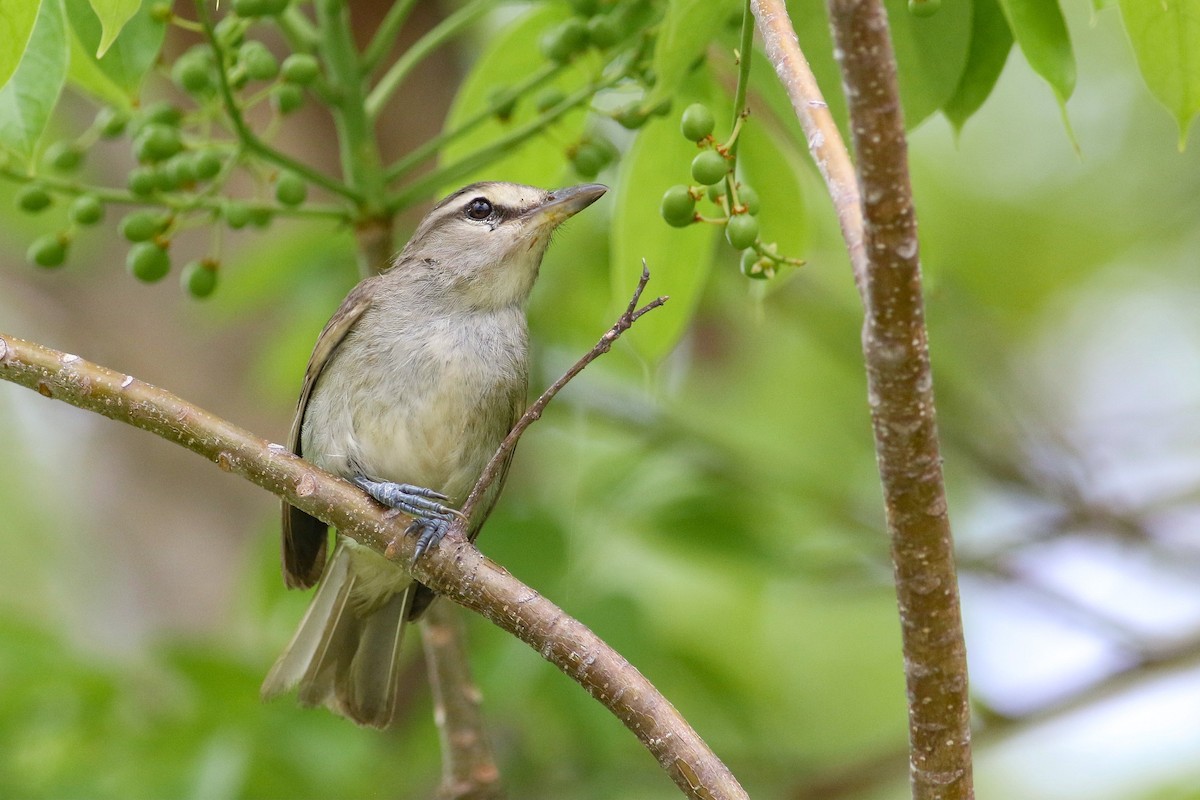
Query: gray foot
432 518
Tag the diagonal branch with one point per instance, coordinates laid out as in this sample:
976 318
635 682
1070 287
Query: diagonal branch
454 569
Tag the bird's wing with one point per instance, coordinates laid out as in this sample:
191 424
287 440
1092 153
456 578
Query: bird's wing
305 537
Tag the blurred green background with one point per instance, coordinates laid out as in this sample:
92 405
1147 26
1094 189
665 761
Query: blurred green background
716 517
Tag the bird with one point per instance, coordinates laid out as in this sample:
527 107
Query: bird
412 385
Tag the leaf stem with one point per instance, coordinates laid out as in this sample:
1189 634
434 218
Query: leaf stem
385 35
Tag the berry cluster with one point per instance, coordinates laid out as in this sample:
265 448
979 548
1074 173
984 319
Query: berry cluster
736 203
182 170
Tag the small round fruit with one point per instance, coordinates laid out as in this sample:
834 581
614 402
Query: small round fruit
259 62
162 113
603 31
505 102
749 198
631 117
199 278
48 251
589 159
249 8
548 99
584 8
923 8
300 69
741 231
111 122
261 216
86 210
193 73
33 198
236 213
290 189
206 164
563 41
148 262
716 192
64 156
157 142
143 181
230 31
754 267
287 97
709 167
678 206
697 122
142 226
182 170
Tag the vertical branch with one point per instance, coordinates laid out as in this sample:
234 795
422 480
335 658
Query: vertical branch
468 767
900 391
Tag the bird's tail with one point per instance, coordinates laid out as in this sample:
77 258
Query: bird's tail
343 657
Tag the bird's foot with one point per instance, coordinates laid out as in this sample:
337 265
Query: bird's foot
432 517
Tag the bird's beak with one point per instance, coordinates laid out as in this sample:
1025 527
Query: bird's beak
562 204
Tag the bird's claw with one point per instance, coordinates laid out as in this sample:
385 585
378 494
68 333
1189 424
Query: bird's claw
431 517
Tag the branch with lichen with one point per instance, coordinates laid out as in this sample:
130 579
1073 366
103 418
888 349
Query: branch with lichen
455 569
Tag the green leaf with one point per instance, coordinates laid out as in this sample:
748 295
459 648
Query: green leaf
85 73
1041 31
1165 35
511 54
686 30
32 92
679 258
113 15
991 41
16 24
931 54
126 61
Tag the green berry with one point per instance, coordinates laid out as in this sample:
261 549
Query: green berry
709 167
33 198
49 250
259 62
64 156
148 261
199 278
142 226
504 101
716 192
261 216
111 122
300 69
143 181
287 97
588 159
290 189
678 206
206 164
697 122
193 72
157 142
741 231
161 12
603 31
236 213
923 8
584 8
631 117
548 99
162 113
230 31
86 210
754 267
181 170
563 41
249 8
749 198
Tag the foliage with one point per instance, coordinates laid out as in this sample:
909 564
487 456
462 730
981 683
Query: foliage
722 535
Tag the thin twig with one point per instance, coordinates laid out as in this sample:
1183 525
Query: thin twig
824 139
534 412
469 769
454 569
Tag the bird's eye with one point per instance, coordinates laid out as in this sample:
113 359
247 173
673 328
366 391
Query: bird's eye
479 209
